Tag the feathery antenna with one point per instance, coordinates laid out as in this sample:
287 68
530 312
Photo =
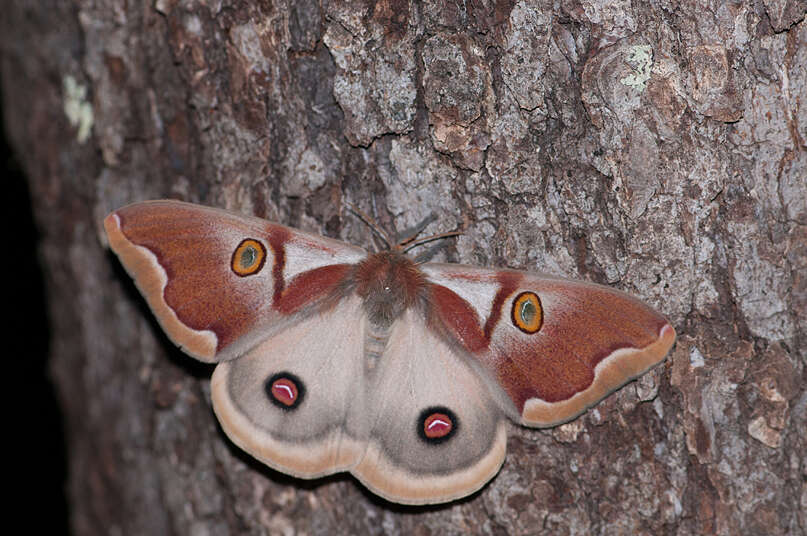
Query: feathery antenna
408 243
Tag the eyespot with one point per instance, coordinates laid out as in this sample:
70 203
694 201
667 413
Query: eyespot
248 257
437 424
285 390
527 314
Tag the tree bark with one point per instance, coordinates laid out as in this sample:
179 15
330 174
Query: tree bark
659 148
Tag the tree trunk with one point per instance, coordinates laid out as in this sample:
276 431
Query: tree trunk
656 148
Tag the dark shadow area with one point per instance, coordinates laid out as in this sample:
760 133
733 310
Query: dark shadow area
34 421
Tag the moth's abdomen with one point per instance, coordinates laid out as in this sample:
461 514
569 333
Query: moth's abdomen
375 342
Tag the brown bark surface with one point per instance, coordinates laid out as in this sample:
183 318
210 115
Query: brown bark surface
657 147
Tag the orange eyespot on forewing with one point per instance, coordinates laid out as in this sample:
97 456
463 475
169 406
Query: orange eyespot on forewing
248 257
527 314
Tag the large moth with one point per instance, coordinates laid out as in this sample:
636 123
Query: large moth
334 359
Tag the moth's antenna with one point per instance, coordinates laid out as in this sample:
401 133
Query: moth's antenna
372 224
404 245
410 243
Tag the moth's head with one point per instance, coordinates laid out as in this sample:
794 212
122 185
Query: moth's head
388 282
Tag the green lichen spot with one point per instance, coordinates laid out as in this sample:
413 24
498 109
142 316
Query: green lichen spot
76 108
640 58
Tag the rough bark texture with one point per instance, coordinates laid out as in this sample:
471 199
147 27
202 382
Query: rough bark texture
658 147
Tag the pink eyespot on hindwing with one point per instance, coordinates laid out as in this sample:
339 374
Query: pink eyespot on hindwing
285 390
437 424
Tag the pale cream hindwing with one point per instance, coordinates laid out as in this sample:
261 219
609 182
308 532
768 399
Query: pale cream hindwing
414 424
434 432
288 402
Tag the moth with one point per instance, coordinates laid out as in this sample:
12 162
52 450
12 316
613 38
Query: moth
331 358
